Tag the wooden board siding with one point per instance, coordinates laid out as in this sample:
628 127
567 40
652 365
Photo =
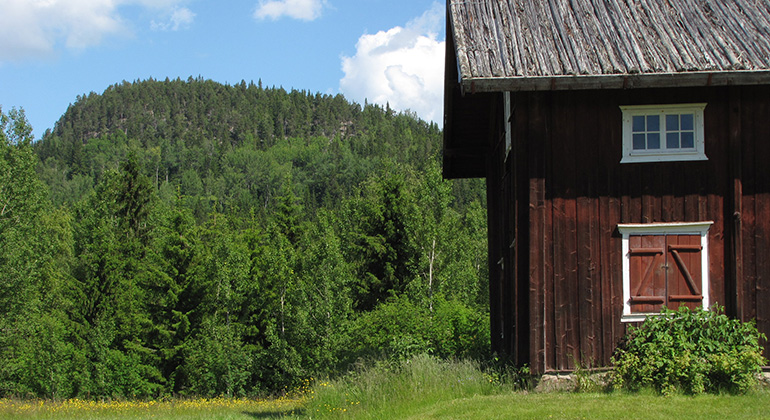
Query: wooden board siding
539 295
571 192
496 217
508 303
565 245
755 214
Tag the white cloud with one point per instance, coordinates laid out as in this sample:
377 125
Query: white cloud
296 9
403 67
180 18
35 28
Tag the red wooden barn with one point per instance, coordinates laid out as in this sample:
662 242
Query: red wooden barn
626 150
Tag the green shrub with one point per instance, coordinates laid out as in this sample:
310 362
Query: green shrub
400 329
691 352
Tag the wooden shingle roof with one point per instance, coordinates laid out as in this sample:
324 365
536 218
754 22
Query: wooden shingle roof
588 44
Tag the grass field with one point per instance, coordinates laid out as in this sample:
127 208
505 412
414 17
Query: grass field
425 388
219 409
502 406
600 406
422 388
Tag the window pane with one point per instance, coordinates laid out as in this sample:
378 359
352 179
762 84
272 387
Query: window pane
687 122
672 140
653 123
652 133
672 122
653 141
688 140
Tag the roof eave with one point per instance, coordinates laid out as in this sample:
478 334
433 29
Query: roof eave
616 81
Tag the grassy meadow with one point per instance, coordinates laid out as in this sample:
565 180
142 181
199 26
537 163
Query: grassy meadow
194 409
420 388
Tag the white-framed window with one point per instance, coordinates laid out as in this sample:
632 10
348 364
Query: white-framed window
664 264
656 133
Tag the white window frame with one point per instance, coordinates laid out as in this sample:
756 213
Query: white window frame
685 228
630 155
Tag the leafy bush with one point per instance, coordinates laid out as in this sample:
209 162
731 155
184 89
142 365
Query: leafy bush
218 364
401 329
691 352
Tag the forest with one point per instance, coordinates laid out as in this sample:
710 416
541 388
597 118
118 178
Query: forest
189 238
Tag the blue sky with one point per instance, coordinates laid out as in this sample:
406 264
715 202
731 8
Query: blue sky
380 50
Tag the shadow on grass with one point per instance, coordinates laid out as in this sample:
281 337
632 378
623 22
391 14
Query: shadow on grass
278 414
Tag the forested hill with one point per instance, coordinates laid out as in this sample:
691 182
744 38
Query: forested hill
236 143
193 238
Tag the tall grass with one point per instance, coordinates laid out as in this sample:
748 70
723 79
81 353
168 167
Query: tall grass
396 390
428 388
422 388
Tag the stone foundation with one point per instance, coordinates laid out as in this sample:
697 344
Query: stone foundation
764 379
595 381
570 382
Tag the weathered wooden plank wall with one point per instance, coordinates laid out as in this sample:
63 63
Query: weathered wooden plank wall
755 217
540 295
572 192
498 298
